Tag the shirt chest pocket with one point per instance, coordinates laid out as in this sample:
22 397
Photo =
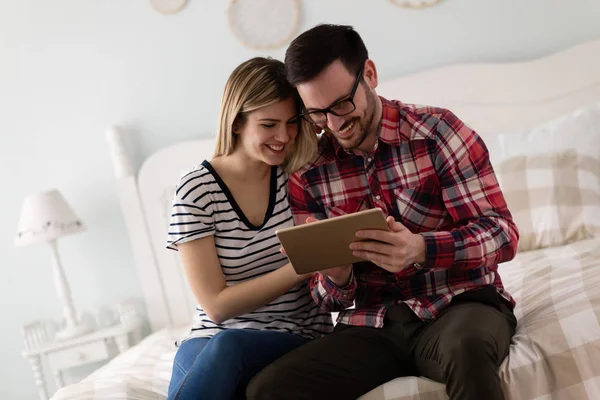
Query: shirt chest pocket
343 207
421 207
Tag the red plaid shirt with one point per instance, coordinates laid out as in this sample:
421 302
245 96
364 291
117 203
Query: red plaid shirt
431 173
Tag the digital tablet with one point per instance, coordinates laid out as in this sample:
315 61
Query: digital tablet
325 244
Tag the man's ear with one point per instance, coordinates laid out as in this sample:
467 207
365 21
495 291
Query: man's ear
370 74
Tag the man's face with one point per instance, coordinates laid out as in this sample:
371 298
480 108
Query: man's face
332 89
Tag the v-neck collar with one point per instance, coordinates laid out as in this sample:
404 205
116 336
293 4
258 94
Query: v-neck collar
234 204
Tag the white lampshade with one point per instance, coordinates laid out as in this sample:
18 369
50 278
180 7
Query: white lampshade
46 216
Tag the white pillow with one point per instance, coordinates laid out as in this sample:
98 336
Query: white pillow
578 130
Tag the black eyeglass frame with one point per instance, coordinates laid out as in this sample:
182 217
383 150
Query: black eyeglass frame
329 110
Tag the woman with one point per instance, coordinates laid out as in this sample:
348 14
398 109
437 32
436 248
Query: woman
253 307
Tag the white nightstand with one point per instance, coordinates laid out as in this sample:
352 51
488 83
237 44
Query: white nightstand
99 345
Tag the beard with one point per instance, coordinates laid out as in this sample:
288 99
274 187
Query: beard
362 126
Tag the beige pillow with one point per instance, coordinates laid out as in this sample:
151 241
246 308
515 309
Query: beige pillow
554 198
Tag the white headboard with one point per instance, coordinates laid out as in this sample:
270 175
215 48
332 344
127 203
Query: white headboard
489 97
506 97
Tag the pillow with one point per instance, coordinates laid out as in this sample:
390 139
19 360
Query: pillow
554 197
550 176
579 130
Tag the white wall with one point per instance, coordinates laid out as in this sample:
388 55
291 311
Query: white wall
71 68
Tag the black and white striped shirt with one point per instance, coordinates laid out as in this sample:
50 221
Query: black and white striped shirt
202 206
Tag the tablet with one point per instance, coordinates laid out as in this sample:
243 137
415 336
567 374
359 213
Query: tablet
325 244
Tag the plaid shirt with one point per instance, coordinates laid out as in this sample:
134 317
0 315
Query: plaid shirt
431 173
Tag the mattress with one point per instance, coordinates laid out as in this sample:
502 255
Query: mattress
555 352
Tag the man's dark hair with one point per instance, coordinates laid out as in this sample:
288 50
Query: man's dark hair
312 51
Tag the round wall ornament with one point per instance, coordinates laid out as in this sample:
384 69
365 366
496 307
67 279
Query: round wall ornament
264 24
168 6
415 4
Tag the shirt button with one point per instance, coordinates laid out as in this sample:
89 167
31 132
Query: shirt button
369 159
378 197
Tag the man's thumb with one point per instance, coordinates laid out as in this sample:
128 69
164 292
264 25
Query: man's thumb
394 225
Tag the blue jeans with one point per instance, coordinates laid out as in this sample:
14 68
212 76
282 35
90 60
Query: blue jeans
221 367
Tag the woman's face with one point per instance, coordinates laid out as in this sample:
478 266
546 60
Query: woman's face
269 132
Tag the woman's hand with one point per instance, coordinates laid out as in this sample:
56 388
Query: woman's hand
339 275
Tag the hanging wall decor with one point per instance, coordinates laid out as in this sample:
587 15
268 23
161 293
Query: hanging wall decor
168 6
415 4
264 24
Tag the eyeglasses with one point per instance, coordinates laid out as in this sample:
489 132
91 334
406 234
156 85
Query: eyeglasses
339 108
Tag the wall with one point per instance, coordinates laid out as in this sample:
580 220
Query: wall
71 68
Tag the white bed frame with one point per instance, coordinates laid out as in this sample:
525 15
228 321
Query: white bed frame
491 98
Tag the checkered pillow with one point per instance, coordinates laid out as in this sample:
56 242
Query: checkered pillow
554 197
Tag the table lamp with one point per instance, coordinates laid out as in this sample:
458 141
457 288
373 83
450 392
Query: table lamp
45 217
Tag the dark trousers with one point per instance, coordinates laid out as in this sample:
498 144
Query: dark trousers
463 348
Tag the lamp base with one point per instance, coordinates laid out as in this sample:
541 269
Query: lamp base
72 331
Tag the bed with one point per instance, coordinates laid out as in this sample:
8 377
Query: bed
522 110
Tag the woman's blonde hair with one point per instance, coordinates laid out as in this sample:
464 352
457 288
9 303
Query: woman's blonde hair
257 83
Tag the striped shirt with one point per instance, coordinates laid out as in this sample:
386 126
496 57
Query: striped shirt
432 174
203 206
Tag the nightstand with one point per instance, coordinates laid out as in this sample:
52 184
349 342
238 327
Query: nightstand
100 345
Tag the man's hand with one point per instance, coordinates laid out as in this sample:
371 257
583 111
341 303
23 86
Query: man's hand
393 250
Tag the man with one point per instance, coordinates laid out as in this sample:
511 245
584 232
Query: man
428 298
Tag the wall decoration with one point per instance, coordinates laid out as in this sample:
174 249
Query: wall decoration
168 6
415 4
264 24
